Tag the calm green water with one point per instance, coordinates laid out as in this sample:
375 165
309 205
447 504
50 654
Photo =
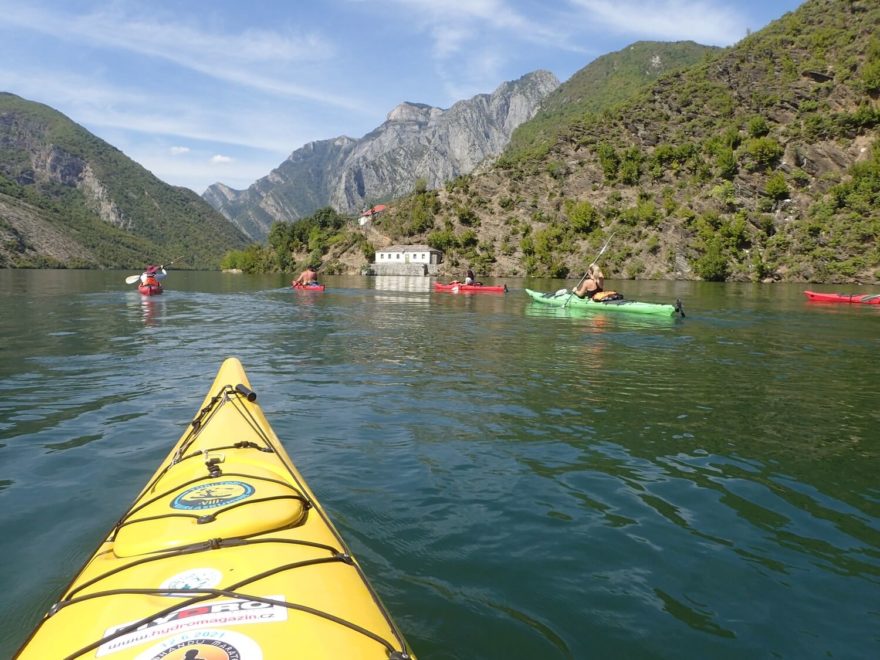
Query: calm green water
518 482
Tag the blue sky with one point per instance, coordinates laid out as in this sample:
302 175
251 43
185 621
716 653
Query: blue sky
199 92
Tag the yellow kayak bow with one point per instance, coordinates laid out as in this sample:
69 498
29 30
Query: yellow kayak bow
225 555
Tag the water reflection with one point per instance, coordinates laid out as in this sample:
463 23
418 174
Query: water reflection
401 283
617 319
152 310
401 287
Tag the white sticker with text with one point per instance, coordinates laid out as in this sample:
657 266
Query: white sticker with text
201 615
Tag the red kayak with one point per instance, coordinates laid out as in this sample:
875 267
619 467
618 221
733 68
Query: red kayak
307 287
843 298
460 287
150 289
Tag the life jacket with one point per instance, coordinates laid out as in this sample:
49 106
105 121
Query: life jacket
151 281
606 296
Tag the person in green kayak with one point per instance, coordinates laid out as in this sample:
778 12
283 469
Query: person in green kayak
309 277
593 283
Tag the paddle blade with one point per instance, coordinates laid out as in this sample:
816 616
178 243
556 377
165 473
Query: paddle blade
131 279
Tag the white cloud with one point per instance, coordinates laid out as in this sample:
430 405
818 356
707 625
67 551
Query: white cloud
89 102
473 44
219 159
454 25
450 40
704 21
176 151
231 57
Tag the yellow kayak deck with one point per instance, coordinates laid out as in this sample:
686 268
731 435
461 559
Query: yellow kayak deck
225 554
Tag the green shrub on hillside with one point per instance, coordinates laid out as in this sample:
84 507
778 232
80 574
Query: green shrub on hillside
468 238
800 178
861 194
850 124
870 73
443 239
712 264
725 193
776 188
761 153
815 126
421 216
583 216
313 234
725 160
609 160
669 157
758 127
631 167
467 217
253 259
557 169
643 214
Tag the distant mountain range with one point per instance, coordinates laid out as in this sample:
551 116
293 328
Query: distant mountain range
757 162
415 142
67 198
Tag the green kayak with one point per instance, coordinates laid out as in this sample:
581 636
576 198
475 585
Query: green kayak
563 298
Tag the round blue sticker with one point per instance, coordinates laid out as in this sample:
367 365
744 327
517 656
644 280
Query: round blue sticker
209 496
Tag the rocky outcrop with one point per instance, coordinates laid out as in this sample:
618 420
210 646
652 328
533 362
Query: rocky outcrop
416 141
28 239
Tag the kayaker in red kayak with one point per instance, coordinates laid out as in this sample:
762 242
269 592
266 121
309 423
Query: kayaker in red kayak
151 276
470 278
309 277
592 284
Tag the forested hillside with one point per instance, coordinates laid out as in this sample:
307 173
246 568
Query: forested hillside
604 83
69 199
760 162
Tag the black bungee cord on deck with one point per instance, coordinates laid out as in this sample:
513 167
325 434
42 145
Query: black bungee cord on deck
336 555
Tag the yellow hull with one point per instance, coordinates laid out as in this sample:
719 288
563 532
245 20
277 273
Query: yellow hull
225 555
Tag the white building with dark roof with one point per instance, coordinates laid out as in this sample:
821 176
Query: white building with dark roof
407 260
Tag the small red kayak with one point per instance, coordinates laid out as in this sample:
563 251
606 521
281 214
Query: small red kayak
460 287
844 298
307 287
150 289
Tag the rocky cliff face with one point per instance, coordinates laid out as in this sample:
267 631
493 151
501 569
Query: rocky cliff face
51 163
296 188
416 141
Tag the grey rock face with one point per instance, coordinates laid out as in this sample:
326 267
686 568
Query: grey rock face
415 141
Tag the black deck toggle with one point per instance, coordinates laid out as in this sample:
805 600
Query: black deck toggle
246 392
